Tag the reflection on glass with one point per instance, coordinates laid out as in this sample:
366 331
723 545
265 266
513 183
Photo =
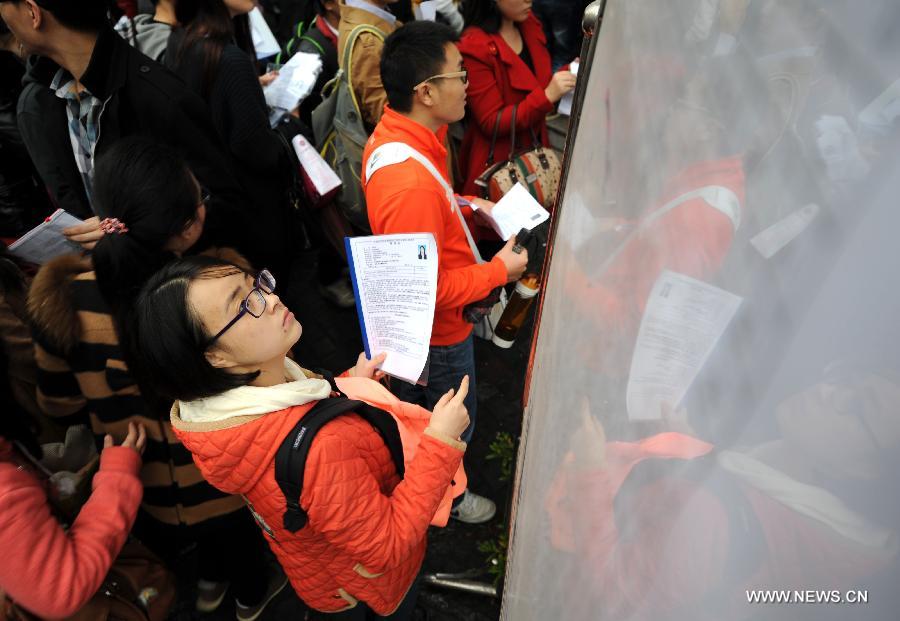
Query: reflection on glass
737 442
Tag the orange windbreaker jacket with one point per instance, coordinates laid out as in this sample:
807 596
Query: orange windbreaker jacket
405 198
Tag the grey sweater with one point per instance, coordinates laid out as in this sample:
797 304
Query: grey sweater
149 37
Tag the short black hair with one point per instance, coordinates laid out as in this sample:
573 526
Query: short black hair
83 15
482 14
171 340
411 54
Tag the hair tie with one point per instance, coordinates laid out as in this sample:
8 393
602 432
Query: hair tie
113 225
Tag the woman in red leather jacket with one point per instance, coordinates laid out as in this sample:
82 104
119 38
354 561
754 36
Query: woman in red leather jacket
505 52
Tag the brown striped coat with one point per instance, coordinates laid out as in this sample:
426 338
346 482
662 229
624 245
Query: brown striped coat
82 374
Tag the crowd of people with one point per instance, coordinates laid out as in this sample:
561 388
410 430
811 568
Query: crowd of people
164 335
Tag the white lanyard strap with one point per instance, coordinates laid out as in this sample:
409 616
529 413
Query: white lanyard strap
396 152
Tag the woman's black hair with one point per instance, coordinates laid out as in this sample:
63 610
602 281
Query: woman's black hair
171 340
149 188
482 14
209 27
411 54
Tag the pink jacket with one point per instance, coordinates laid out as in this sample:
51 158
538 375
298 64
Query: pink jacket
46 569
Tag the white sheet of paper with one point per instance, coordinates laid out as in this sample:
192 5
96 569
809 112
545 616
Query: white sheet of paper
46 241
295 81
263 40
683 320
517 210
565 104
427 11
783 232
395 280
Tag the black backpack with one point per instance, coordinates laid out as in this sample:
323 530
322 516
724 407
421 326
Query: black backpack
290 461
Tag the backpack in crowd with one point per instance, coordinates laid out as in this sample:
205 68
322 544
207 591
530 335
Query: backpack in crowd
290 460
341 133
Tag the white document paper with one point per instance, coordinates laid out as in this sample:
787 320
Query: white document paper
517 210
426 11
395 281
683 321
565 104
770 241
263 40
295 81
46 241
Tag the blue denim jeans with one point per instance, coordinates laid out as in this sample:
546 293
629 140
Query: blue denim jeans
447 366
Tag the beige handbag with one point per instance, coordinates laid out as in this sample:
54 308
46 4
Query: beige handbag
538 168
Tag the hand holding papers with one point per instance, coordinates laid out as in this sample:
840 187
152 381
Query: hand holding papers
395 282
565 104
517 210
46 241
295 81
683 321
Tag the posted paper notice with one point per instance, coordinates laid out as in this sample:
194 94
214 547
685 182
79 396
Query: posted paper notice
395 282
683 321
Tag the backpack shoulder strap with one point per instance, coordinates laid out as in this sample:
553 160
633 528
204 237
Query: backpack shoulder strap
351 42
290 460
396 152
345 71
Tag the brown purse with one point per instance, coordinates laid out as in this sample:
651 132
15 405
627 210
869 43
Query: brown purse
137 588
538 168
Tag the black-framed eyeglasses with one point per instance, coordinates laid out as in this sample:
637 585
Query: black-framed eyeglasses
254 304
462 75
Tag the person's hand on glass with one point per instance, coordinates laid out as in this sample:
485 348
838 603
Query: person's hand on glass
588 441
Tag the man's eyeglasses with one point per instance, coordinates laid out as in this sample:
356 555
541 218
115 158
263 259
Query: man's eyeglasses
462 75
254 304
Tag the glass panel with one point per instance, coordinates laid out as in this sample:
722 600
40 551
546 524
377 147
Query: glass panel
727 239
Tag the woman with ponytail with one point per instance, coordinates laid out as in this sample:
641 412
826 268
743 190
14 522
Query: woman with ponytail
151 210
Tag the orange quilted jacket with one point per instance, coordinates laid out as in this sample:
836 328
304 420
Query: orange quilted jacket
365 539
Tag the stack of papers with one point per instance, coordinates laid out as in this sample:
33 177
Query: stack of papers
295 81
517 210
46 241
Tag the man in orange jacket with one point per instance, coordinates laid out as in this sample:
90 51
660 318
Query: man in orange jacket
408 191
